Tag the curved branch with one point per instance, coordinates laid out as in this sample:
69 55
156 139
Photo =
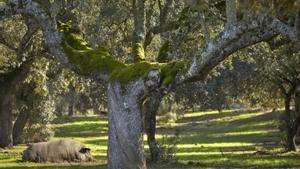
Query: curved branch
247 33
49 27
52 37
227 42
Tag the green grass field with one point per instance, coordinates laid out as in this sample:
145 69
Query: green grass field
230 139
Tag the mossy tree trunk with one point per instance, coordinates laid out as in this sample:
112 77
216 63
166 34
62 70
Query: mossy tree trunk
125 145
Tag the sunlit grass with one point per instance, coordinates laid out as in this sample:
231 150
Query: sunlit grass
204 113
245 133
213 153
209 139
237 117
198 114
215 145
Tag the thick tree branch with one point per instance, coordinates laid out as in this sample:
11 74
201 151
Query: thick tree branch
204 28
139 20
164 12
227 42
52 37
233 39
149 13
139 33
49 27
231 13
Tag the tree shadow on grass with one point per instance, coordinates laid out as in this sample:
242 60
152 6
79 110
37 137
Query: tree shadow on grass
244 161
100 157
97 142
262 117
215 115
63 120
82 130
203 149
223 124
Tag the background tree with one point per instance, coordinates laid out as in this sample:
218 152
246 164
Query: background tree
14 68
281 68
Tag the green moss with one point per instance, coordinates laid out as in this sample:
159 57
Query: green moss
91 60
141 69
132 71
76 41
138 52
170 70
163 52
64 26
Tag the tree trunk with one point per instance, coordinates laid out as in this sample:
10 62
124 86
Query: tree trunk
125 145
290 129
19 126
297 115
9 86
297 101
291 139
71 100
6 121
150 108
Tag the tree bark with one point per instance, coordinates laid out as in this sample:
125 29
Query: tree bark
71 100
6 120
9 86
290 131
125 145
151 106
19 126
291 139
297 115
297 101
231 13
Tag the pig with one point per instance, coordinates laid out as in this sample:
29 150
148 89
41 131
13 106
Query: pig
57 151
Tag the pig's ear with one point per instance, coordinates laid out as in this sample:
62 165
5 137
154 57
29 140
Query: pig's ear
84 150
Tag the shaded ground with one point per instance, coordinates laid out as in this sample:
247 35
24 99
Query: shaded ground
231 139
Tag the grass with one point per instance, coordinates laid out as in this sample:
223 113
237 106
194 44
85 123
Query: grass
230 139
